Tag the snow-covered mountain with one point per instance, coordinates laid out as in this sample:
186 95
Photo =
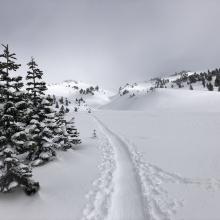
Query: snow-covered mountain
132 95
207 80
175 90
93 95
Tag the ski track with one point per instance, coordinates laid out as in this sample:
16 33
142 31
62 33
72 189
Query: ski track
131 189
126 201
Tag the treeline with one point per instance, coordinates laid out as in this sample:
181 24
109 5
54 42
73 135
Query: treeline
31 131
90 90
209 80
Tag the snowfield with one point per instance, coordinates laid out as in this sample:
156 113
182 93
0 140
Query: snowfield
155 157
175 134
71 90
167 99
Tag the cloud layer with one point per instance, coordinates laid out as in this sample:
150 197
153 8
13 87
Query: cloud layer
111 42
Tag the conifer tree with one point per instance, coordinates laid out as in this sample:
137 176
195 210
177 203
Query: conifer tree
210 86
12 129
217 81
61 139
12 135
35 86
42 125
28 124
69 135
43 129
66 102
61 100
73 134
54 99
7 64
57 105
15 173
203 82
62 110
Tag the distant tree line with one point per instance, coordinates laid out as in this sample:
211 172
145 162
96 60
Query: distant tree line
208 80
89 90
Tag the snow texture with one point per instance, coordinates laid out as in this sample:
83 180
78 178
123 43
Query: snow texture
155 156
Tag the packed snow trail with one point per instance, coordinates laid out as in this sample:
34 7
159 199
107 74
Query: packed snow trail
137 193
129 188
127 200
99 197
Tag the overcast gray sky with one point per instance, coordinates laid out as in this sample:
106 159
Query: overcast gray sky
112 42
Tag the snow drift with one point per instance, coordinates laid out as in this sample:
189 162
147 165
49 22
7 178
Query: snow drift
167 99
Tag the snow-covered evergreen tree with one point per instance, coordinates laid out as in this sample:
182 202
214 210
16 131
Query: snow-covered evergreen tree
61 100
54 99
62 110
11 126
30 128
57 105
13 137
42 125
41 133
62 136
35 86
42 130
73 134
15 173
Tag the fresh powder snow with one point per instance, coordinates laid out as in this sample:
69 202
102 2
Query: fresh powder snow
154 156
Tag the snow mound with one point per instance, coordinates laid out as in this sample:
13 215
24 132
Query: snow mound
167 99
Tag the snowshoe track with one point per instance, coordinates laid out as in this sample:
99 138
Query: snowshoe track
98 199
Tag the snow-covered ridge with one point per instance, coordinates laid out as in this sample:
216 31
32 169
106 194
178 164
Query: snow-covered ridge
190 90
169 100
207 80
93 95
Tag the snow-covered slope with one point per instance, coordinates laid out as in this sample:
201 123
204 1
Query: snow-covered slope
155 156
200 89
92 94
172 99
184 80
173 142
